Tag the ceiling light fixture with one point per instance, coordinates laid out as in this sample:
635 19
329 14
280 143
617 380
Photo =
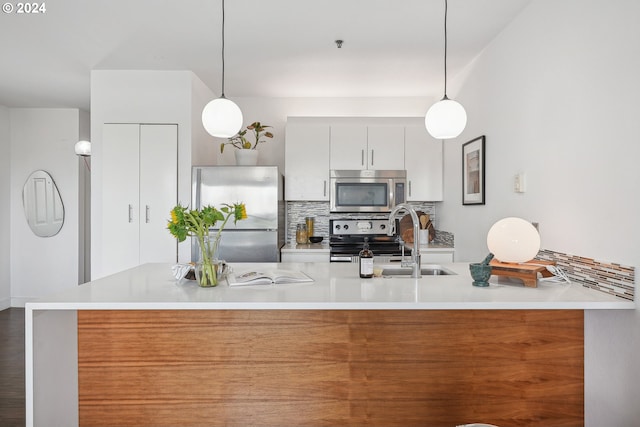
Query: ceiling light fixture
446 118
221 117
83 148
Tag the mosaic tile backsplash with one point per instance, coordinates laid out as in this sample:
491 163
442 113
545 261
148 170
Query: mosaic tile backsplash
612 278
298 211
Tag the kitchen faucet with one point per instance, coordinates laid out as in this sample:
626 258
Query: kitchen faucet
415 252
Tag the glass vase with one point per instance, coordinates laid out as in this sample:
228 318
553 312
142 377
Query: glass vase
206 269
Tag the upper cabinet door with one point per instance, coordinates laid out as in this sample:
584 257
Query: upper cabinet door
306 162
349 147
385 148
423 161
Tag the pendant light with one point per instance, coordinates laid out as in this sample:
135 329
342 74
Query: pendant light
222 117
446 118
83 148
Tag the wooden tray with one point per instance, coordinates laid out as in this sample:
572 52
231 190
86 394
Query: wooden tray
526 271
406 228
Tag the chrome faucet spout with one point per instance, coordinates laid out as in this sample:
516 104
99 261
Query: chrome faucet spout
415 252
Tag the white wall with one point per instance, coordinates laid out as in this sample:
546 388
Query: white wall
204 152
43 139
5 226
556 95
137 96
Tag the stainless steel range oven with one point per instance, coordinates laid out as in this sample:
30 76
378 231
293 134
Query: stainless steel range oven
347 237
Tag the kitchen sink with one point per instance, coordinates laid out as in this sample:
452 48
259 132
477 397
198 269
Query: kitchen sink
425 270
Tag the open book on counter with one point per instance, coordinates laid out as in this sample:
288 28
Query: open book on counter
267 277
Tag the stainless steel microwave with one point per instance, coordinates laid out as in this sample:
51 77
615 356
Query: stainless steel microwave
366 190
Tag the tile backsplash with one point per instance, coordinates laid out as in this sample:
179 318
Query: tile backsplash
612 278
298 211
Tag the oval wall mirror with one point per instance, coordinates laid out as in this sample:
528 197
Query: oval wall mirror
42 204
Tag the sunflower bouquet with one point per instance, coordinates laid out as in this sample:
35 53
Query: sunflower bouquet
186 222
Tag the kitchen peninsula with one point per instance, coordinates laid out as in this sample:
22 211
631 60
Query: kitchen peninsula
139 348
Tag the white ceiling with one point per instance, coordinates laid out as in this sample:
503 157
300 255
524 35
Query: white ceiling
274 48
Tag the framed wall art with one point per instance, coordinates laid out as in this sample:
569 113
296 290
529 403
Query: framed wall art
473 188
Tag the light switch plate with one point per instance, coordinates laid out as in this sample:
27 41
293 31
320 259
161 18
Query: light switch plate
519 183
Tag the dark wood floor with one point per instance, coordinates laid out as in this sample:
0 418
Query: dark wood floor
12 368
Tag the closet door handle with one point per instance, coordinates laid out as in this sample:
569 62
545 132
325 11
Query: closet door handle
146 213
130 213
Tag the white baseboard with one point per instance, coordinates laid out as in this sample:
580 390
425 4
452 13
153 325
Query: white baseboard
20 301
5 303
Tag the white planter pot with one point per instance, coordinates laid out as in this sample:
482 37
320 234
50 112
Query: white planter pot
246 157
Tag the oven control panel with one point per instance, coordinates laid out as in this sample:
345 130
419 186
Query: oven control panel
358 226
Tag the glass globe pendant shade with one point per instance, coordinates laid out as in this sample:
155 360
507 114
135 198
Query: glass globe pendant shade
222 118
513 240
445 119
83 148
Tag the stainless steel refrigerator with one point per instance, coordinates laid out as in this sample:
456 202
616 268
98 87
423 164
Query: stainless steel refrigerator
257 238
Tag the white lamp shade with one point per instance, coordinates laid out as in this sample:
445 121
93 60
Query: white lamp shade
513 240
222 118
83 148
445 119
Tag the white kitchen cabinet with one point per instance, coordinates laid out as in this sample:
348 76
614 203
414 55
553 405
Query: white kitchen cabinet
436 256
423 161
302 256
306 161
315 145
139 189
348 146
358 146
385 147
315 252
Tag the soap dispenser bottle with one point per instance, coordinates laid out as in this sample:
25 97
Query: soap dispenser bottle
366 261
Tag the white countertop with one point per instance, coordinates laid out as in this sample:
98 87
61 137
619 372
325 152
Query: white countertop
335 286
322 247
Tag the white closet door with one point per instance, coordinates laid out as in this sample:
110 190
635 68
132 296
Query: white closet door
120 194
158 191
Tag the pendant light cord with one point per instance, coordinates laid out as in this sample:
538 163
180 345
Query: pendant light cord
445 49
222 96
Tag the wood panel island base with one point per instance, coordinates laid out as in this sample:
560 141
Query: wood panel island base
330 367
139 348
